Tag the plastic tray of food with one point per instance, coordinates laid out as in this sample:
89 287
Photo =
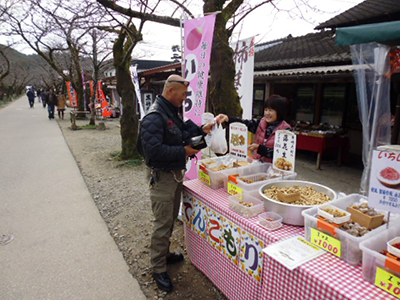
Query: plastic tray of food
393 246
350 244
247 204
270 220
334 214
372 249
214 168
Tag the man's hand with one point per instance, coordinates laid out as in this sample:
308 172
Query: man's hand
208 127
190 151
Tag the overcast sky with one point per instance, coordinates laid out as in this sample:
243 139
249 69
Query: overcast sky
265 23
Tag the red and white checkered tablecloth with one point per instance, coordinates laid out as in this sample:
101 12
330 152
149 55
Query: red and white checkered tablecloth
326 277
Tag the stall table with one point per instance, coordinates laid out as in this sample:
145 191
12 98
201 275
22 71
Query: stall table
252 274
320 144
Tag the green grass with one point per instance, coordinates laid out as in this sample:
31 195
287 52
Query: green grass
115 154
87 127
130 163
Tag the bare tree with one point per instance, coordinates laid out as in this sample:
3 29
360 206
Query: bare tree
57 32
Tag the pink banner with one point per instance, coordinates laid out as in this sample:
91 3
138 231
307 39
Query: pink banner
198 34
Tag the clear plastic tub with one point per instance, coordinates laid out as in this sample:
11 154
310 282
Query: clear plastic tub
250 198
270 220
371 256
240 181
217 177
351 251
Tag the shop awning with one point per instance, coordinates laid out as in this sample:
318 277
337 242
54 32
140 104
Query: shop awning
387 33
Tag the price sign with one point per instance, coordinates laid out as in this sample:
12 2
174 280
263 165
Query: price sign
326 242
387 282
234 189
205 178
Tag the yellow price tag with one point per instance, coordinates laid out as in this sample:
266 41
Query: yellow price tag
234 189
387 282
326 242
205 178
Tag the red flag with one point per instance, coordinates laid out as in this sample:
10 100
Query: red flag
105 108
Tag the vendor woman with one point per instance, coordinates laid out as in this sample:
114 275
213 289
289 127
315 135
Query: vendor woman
275 109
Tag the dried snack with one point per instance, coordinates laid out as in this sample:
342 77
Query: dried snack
283 164
308 195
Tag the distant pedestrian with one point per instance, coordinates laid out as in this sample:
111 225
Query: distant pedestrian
44 95
61 102
51 102
31 97
38 93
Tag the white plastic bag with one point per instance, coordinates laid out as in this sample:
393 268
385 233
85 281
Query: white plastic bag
218 141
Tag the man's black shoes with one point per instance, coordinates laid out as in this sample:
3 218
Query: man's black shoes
175 258
163 281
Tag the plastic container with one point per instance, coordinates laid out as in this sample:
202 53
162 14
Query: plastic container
393 250
330 217
371 256
351 251
270 220
217 177
246 211
240 180
254 168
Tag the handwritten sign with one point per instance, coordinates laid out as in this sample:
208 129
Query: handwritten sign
387 282
326 242
238 140
284 150
384 184
205 178
234 189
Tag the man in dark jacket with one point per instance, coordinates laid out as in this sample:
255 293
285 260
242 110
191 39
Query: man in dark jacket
163 133
31 97
51 102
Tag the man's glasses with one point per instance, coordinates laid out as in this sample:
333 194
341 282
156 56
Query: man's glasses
185 83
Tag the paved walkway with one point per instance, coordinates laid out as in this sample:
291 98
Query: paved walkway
61 248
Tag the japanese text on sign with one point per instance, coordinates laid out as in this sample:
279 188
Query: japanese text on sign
388 282
326 242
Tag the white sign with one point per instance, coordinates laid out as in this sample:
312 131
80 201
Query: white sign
238 133
243 58
384 184
293 252
284 150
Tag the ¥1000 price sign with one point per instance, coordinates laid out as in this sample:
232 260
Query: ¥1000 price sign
326 242
387 282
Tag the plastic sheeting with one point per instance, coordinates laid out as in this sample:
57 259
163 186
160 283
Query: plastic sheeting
373 93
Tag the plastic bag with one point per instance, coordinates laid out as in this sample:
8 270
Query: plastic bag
218 142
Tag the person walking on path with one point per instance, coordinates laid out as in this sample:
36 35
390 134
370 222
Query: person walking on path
51 102
61 102
38 93
44 95
31 97
161 140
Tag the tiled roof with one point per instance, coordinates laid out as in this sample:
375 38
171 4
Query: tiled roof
314 49
367 12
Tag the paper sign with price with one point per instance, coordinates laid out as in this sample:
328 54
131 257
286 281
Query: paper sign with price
205 178
326 242
234 189
387 282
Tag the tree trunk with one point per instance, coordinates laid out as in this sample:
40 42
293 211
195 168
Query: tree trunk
129 120
221 87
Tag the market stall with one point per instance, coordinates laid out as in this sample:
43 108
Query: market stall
258 233
251 274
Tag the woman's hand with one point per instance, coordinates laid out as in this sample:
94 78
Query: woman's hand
221 118
253 147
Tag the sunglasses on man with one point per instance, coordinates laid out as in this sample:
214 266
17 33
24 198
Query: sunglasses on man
184 82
